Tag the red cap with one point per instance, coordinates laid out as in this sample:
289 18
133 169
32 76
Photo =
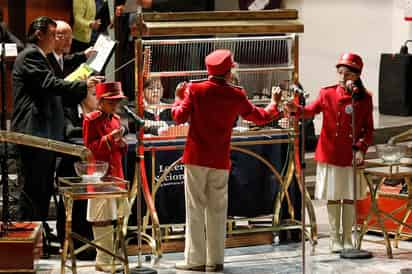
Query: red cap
219 62
109 90
351 60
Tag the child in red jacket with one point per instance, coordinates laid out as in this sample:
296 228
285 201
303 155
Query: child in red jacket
334 174
103 135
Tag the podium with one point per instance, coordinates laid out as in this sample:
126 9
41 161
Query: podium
21 247
9 61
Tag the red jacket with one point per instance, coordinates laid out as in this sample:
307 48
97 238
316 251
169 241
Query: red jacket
212 106
97 127
335 140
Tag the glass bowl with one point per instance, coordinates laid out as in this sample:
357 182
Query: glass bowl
91 171
390 153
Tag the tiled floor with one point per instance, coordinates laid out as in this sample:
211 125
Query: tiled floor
283 258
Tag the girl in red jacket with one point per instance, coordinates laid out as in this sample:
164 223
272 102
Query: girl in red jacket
334 180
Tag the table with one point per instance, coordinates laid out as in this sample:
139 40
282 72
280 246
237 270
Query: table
73 189
383 172
251 191
261 183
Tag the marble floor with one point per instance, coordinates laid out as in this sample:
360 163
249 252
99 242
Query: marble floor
285 258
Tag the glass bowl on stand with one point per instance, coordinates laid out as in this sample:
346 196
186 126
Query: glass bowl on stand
91 171
390 154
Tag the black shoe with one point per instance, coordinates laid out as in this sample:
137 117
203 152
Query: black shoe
88 255
404 189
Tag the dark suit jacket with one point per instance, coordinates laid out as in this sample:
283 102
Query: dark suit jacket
71 62
37 92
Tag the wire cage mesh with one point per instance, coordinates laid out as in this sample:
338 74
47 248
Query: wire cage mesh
262 63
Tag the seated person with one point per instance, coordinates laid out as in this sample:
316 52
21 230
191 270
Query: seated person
157 114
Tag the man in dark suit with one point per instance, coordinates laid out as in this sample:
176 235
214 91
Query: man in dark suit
38 111
64 63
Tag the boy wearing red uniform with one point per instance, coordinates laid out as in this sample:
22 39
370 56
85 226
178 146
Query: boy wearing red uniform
211 106
103 135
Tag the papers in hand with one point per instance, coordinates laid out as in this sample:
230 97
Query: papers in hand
258 5
104 47
81 73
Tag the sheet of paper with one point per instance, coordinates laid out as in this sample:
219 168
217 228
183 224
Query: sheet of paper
258 5
81 73
104 47
10 49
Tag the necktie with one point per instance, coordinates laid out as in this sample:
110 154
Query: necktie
61 62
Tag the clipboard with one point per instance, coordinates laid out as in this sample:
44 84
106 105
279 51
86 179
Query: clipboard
96 64
105 47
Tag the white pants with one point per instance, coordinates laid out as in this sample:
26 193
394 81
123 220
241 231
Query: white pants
206 211
106 209
336 183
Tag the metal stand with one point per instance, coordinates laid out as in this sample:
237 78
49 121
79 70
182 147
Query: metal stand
355 253
302 102
4 168
139 269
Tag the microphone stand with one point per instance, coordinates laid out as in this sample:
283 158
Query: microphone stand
302 102
355 253
139 153
4 156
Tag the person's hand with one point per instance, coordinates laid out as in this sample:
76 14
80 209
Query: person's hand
291 107
94 25
116 135
122 142
92 81
359 157
89 52
146 4
276 95
181 90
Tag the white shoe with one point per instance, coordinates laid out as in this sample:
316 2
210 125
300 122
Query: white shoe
185 266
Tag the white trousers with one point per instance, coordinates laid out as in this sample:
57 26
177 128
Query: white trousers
336 183
206 211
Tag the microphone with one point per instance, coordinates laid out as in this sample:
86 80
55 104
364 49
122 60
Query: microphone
351 87
139 121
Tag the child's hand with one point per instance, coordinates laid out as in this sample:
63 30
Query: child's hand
181 90
122 142
116 134
276 95
359 157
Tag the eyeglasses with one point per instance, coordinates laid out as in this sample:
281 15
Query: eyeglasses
62 36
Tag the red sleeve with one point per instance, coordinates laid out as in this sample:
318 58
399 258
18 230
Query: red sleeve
182 109
99 145
366 136
256 114
313 108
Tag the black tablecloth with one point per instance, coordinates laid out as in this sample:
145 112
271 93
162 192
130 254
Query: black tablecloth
252 186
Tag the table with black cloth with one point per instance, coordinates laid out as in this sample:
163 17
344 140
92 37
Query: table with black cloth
252 186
